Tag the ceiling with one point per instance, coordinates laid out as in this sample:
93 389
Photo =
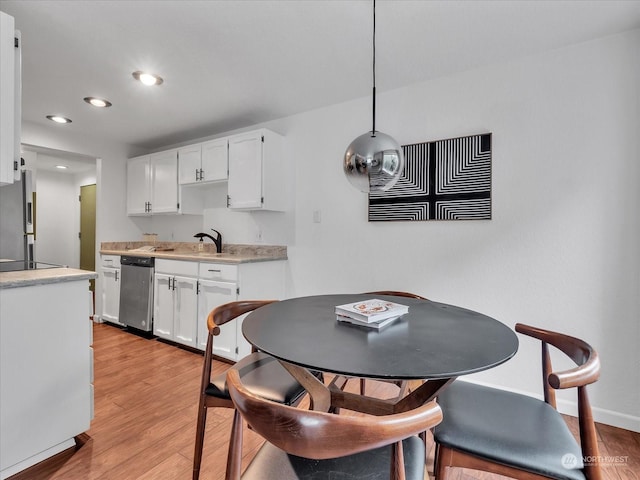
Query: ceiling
50 159
233 64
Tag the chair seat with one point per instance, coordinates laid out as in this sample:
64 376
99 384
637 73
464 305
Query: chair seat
271 463
508 428
264 376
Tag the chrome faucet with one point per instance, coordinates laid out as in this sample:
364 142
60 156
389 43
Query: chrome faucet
217 240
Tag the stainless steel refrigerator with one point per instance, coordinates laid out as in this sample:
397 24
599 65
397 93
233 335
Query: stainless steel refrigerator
18 219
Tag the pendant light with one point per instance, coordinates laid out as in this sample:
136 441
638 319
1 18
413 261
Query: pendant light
374 160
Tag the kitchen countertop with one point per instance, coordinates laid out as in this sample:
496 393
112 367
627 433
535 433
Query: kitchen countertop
231 253
27 278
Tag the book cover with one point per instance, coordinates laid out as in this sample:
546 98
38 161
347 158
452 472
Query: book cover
379 325
371 310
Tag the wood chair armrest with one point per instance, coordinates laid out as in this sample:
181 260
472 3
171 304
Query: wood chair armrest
588 369
580 376
223 314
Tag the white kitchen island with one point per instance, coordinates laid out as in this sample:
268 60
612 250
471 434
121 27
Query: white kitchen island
46 364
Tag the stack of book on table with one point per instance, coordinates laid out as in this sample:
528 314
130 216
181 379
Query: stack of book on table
373 313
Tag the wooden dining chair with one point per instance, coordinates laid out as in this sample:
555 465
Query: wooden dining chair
261 373
308 444
520 436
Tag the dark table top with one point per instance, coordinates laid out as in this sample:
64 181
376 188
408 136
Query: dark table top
433 340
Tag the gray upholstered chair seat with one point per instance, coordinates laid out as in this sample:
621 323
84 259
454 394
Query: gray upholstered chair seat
264 376
499 425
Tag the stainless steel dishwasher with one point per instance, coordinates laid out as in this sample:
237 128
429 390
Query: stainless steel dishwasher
136 292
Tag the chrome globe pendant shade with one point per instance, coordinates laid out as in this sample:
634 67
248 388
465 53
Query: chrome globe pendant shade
374 160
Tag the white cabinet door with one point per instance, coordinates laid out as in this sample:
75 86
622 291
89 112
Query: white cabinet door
214 160
243 347
245 171
111 295
189 164
138 186
163 306
164 182
7 98
210 295
185 311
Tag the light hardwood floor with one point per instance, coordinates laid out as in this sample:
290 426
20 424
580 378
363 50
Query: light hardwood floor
145 414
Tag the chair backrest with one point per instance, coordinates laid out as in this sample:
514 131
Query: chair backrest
218 317
396 294
319 435
229 311
587 371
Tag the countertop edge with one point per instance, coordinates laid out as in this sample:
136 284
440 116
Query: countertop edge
191 257
28 278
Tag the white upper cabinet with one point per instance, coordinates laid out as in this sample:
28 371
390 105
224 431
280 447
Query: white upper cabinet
152 184
10 101
253 163
164 182
214 160
189 164
203 162
138 186
257 175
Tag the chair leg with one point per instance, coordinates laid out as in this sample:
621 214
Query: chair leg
234 456
442 461
197 454
362 384
397 462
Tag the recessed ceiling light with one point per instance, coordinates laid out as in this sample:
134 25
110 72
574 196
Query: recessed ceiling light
97 102
62 167
147 78
58 119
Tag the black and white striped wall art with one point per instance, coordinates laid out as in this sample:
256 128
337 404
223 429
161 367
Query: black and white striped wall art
442 180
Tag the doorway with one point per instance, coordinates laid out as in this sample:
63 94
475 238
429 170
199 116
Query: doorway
88 229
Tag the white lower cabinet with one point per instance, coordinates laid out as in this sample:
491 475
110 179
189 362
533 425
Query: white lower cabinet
210 295
226 283
218 285
185 292
162 306
111 295
175 301
110 266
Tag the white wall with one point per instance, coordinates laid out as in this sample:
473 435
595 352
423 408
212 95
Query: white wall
58 215
57 233
562 250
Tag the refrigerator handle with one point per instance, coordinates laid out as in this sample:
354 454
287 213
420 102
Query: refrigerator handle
32 211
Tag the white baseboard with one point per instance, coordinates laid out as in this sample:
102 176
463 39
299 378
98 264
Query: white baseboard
600 415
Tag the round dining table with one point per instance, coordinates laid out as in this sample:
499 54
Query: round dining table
430 345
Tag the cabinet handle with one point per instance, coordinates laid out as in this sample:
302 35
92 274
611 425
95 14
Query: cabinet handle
214 271
197 174
197 287
169 284
174 283
201 174
117 275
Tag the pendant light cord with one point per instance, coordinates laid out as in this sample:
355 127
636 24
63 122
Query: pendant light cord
373 129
